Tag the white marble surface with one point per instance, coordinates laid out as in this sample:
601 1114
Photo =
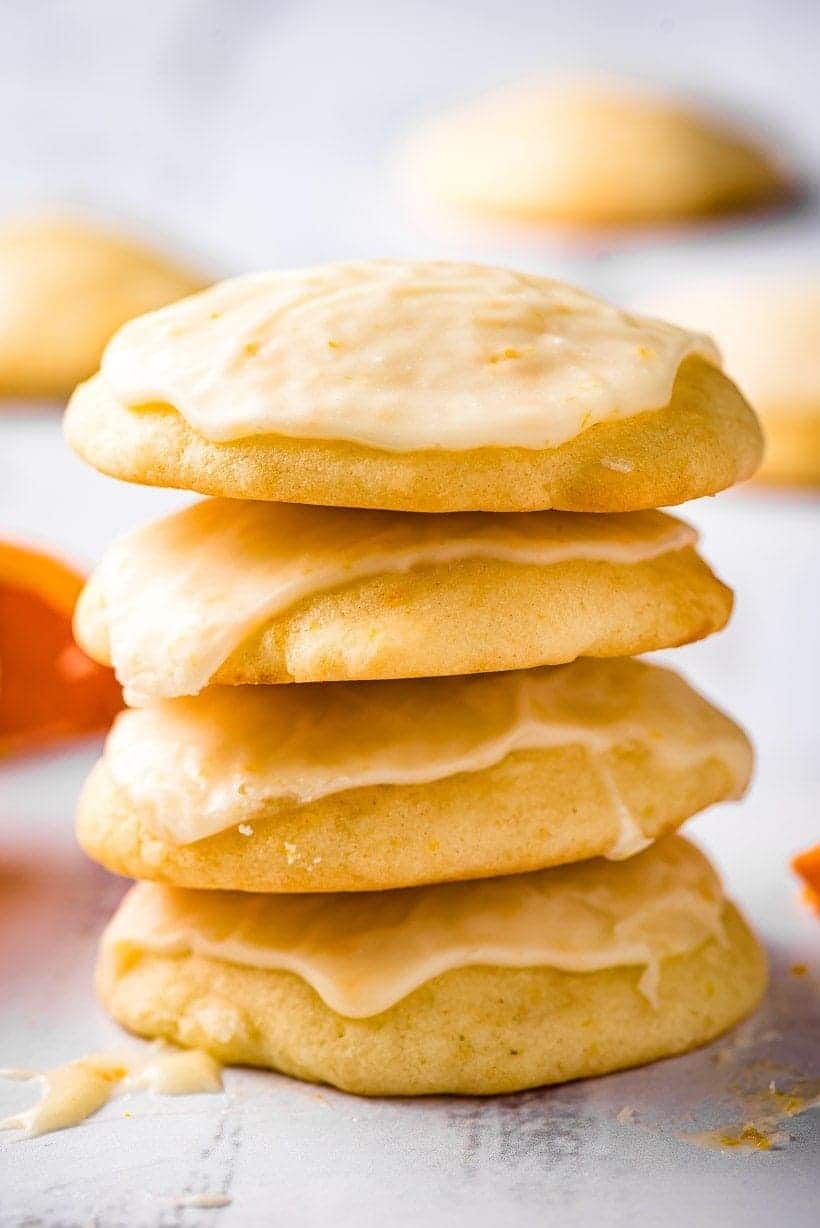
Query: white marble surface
253 133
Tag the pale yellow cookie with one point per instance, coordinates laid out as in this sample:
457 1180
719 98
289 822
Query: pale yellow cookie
245 592
588 154
768 328
371 786
427 387
65 288
480 987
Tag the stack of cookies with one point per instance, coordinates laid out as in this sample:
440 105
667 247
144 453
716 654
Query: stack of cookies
401 802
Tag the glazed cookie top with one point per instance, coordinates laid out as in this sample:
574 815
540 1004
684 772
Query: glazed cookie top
178 595
198 766
398 356
364 951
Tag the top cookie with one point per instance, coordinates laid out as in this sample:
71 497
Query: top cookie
65 288
588 154
426 387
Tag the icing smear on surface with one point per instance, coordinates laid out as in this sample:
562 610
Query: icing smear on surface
362 952
398 356
71 1093
197 766
182 593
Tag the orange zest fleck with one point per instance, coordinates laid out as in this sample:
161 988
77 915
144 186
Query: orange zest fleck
49 689
807 866
749 1136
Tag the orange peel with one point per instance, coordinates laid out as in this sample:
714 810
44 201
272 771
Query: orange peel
806 866
49 689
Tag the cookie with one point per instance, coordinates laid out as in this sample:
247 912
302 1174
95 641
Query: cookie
377 785
230 591
429 387
586 154
474 988
65 289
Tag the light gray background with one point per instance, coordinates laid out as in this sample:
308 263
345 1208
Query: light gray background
249 134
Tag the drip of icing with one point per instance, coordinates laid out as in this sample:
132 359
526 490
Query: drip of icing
398 356
182 593
631 838
182 1072
363 952
196 766
71 1093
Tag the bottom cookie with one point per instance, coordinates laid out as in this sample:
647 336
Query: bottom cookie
472 988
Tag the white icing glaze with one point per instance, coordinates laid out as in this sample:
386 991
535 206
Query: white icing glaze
197 766
398 356
363 952
71 1093
182 593
174 1072
631 838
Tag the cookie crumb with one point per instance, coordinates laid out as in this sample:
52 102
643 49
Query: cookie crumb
204 1201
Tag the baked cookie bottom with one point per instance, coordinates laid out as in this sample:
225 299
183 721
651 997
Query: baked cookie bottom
471 1031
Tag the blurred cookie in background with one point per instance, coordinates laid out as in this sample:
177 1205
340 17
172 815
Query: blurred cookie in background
768 330
65 287
589 153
